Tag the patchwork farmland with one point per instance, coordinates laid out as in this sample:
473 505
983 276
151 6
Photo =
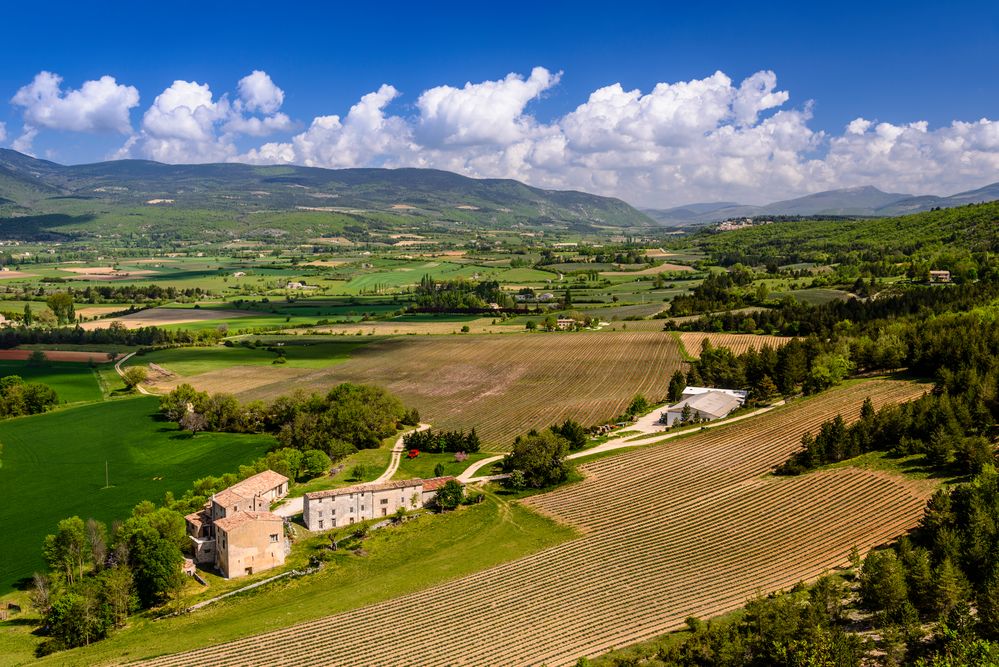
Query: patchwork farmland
690 526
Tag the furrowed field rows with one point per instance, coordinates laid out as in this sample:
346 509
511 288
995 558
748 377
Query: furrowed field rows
502 385
689 526
738 343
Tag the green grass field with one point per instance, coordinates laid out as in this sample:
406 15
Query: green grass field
399 560
424 464
52 467
73 382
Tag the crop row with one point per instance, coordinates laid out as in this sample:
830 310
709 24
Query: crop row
504 385
686 527
738 343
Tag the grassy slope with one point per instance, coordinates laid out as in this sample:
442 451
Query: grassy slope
413 557
53 467
73 382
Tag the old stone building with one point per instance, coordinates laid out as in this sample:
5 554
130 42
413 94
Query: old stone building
249 542
239 517
323 510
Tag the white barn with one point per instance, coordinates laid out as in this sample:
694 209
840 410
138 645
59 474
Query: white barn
705 404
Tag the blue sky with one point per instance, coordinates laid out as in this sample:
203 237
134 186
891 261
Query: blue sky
895 63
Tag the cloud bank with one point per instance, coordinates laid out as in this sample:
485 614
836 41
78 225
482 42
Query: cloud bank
700 140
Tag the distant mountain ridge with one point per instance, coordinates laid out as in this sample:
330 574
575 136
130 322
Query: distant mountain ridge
856 201
38 186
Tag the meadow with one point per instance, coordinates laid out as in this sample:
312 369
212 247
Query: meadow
53 466
73 382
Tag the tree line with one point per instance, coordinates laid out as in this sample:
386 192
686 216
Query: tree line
443 441
347 418
19 398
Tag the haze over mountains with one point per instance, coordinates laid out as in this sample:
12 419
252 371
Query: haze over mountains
857 201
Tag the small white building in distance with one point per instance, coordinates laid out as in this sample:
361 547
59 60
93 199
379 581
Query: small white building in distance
705 403
323 510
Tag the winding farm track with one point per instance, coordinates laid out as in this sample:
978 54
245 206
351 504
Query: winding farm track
691 526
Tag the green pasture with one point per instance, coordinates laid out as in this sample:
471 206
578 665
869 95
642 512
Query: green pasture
73 381
423 465
53 467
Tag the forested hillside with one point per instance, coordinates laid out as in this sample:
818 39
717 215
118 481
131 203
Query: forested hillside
952 232
128 196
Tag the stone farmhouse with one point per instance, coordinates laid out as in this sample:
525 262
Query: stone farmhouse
323 510
236 532
705 404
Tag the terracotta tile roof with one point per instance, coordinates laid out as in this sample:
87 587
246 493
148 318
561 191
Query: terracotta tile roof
435 483
199 518
260 483
228 497
239 518
365 488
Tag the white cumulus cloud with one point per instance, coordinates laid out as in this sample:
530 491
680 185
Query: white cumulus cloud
704 139
698 140
187 123
102 105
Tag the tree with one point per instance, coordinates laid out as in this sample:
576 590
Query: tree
61 305
155 563
677 384
28 317
118 591
450 495
882 584
573 432
37 358
97 535
134 376
765 390
40 593
439 470
540 457
315 463
531 325
948 588
193 422
66 550
75 619
178 402
639 406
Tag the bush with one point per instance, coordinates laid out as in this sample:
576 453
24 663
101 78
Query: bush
540 458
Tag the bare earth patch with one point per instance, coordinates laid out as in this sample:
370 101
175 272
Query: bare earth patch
8 275
651 271
154 317
105 273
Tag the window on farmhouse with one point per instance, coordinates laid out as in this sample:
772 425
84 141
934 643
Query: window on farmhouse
384 501
320 523
274 537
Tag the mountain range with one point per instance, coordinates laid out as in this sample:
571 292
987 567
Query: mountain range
248 197
851 202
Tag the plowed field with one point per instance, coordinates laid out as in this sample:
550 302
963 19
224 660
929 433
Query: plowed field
691 526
